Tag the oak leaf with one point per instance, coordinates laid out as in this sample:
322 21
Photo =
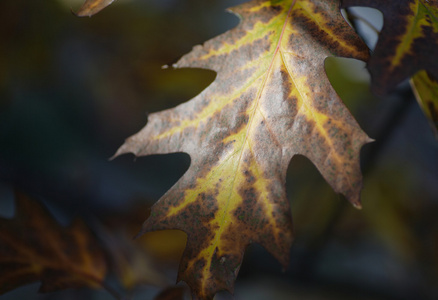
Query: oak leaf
407 43
35 247
271 100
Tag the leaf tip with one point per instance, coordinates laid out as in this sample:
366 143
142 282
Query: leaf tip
369 140
81 13
142 231
118 152
73 12
122 150
92 7
355 200
357 205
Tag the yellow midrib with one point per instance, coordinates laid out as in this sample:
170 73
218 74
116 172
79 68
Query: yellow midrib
245 141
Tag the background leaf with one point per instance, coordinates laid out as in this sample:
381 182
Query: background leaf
407 43
34 247
426 91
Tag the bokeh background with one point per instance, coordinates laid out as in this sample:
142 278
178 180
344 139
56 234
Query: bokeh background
72 89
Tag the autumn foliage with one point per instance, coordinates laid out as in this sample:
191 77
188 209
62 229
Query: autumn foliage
34 247
271 100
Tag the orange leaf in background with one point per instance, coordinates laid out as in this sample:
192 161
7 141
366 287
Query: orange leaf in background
33 246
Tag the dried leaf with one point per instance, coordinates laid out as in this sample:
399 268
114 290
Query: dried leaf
270 101
407 43
34 247
92 7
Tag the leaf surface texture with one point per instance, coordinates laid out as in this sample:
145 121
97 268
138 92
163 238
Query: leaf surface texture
271 100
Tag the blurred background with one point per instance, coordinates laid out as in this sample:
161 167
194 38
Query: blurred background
72 89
